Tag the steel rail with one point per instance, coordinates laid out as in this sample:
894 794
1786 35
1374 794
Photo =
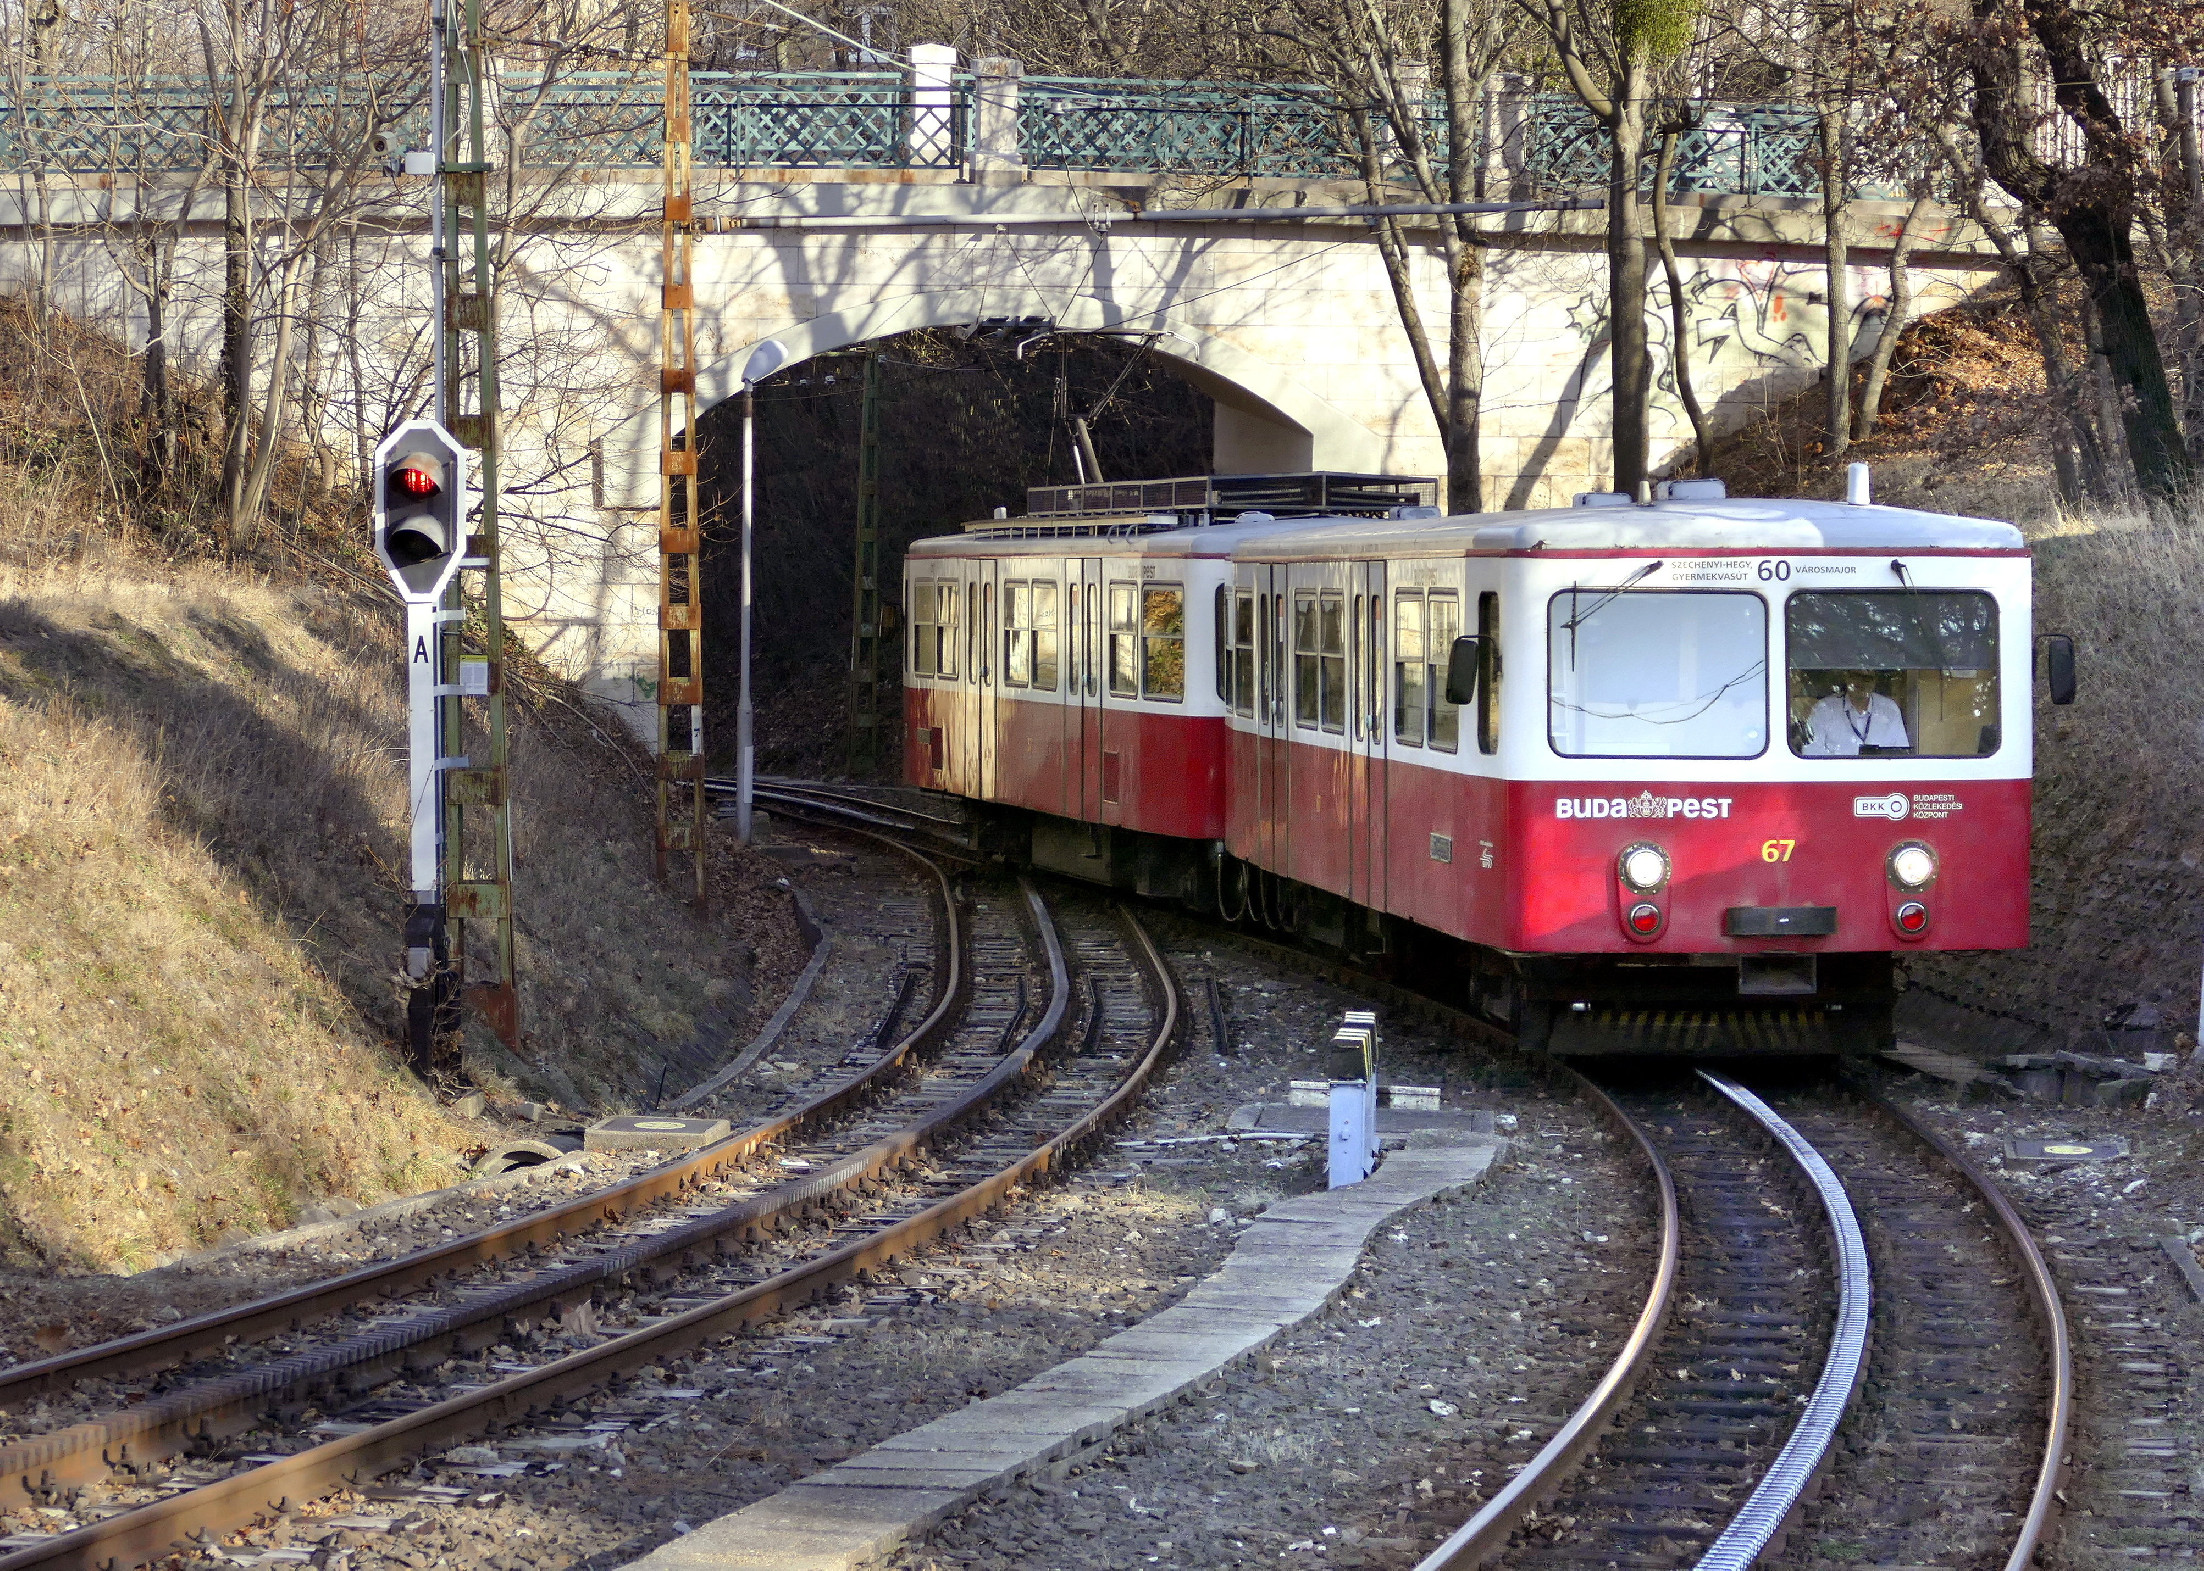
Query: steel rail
274 1315
169 1424
1738 1546
1481 1537
795 801
719 783
144 1534
2043 1287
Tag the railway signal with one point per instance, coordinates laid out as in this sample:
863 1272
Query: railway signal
420 511
420 508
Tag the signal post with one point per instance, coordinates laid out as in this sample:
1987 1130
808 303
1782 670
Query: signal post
420 512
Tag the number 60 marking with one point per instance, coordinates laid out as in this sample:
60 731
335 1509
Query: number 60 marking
1780 571
1777 850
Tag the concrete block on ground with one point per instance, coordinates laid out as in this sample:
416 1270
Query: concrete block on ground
643 1132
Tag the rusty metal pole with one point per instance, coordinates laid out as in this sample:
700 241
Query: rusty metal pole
681 800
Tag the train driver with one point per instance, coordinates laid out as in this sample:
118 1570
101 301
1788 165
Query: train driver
1853 718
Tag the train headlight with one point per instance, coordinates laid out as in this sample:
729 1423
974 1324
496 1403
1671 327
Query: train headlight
1912 866
1643 867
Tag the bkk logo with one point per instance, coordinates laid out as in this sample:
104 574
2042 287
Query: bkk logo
1643 805
1893 807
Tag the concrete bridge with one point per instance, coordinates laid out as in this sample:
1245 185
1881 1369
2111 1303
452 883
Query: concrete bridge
836 210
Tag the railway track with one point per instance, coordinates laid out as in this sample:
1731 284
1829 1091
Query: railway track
1034 1042
1953 1449
1728 1454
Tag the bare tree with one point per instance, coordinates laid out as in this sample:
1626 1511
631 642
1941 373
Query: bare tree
2092 204
1611 53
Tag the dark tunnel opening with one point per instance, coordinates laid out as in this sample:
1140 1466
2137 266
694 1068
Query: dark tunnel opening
965 426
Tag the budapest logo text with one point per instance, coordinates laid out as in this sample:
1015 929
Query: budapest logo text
1643 805
1893 807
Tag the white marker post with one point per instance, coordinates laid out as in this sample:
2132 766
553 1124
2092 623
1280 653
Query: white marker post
764 360
1353 1124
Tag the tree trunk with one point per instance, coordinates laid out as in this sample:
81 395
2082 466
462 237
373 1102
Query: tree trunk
2105 257
2178 106
1626 289
1835 177
2092 217
237 354
1465 364
157 398
1679 310
1894 323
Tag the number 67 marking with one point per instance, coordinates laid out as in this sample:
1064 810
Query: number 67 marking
1777 850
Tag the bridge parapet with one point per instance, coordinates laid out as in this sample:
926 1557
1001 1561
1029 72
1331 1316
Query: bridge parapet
995 123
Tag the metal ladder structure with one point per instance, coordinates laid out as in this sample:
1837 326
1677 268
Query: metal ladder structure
681 801
479 816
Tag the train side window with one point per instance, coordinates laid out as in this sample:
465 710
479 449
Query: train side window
1017 634
1488 680
1409 668
1071 626
1373 670
1220 631
1090 642
971 632
1243 653
1125 640
1445 626
987 618
1262 646
925 631
1163 642
1331 616
1044 635
1305 658
945 619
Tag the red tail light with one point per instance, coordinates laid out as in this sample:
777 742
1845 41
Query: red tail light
1644 918
1912 917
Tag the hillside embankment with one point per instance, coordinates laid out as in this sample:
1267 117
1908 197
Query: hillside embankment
202 844
2117 911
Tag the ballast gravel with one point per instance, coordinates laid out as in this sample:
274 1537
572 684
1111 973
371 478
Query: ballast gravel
1504 1305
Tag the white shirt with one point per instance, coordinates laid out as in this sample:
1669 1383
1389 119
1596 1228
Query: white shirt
1837 730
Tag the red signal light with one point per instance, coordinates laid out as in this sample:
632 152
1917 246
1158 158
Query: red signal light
1913 917
1645 918
416 482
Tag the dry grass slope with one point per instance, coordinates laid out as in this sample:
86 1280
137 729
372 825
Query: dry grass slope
201 831
2118 907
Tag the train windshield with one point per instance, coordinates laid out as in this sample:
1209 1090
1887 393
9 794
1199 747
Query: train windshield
1657 674
1903 673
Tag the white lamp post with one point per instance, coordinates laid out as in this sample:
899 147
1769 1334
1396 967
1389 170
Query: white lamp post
764 360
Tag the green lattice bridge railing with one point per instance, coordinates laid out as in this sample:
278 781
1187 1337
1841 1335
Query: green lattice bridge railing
1531 144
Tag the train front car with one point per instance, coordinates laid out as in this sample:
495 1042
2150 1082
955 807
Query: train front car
1767 748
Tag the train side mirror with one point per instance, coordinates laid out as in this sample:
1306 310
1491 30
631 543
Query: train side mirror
2058 667
1464 664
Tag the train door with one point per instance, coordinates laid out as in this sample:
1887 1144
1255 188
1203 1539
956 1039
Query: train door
1366 734
989 666
1273 791
1083 685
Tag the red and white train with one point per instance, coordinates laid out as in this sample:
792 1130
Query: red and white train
1671 777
